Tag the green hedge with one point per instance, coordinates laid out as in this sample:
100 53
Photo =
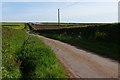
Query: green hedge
101 39
105 33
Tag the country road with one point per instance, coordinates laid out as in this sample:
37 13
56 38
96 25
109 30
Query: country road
80 63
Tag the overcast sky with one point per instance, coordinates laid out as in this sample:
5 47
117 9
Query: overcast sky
70 11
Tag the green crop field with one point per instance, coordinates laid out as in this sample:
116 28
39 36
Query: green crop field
18 25
26 57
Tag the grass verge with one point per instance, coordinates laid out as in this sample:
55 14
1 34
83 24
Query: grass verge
27 57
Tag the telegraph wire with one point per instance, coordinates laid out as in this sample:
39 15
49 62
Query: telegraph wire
59 9
69 5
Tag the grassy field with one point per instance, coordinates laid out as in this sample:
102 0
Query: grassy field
18 25
101 39
27 57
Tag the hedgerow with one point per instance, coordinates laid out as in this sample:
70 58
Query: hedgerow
101 39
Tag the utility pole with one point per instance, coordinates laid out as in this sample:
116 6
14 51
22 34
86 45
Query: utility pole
58 17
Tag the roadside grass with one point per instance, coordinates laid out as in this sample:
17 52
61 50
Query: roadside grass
11 41
39 61
27 57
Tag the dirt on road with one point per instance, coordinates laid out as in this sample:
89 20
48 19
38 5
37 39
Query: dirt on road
81 63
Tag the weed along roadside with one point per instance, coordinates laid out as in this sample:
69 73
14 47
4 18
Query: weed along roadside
27 57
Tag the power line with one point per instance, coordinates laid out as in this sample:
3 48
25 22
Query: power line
69 5
62 9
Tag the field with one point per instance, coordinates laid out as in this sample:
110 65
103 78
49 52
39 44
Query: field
37 26
72 24
103 39
14 25
25 56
